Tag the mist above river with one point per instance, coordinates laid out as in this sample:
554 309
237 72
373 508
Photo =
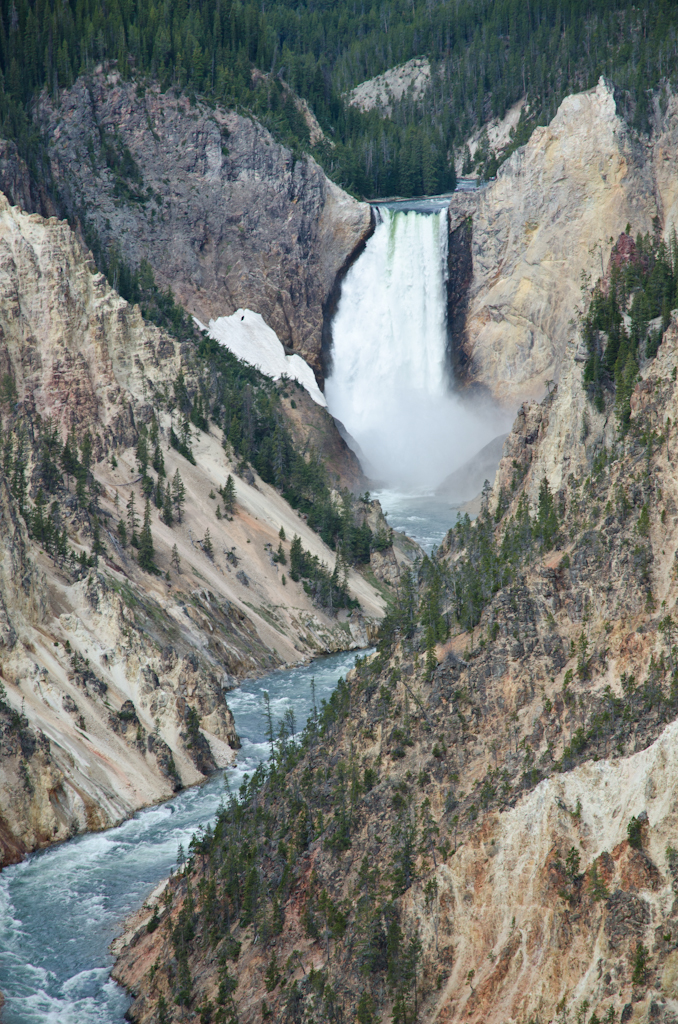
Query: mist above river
390 383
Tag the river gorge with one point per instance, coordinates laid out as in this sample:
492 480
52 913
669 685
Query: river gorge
480 824
62 908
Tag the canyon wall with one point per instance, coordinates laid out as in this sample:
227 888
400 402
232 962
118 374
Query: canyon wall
226 216
514 836
541 231
115 679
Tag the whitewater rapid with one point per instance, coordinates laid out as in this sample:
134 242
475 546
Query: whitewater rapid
61 908
390 381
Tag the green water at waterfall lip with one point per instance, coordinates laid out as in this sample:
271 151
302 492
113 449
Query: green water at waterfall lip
61 908
428 204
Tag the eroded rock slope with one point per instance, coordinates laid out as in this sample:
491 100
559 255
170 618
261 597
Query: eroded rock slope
115 678
543 227
482 824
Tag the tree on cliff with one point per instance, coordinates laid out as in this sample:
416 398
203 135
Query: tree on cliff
146 552
546 523
142 454
228 495
132 519
178 496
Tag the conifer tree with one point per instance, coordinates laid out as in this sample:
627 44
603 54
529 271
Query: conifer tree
176 561
142 454
296 559
122 532
132 519
86 452
167 514
146 552
38 523
97 545
228 494
178 496
81 489
207 544
158 460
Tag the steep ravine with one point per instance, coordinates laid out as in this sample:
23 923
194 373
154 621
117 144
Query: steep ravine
483 829
115 679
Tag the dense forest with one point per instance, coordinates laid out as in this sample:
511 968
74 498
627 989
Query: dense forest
485 55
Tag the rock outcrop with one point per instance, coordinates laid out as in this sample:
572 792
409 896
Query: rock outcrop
543 227
115 679
410 80
225 215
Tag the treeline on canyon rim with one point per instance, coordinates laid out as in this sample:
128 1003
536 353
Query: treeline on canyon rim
485 56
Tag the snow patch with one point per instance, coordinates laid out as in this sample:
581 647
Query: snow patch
249 337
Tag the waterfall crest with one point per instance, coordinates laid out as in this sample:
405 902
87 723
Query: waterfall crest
390 383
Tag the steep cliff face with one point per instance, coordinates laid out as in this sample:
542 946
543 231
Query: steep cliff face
225 216
543 226
484 832
116 678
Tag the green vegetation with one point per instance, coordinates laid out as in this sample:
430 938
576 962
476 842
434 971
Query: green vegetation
634 833
485 56
242 871
643 282
247 406
438 594
328 589
640 959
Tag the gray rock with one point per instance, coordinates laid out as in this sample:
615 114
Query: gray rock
225 216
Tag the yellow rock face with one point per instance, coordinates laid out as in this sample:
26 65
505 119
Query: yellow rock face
544 227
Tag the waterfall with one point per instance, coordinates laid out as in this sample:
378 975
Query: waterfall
390 382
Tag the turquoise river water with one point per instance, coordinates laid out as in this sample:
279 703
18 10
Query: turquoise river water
61 908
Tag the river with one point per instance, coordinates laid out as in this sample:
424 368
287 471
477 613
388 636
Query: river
61 908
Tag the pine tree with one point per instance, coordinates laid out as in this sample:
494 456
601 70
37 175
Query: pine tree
181 392
19 485
296 559
81 489
142 454
159 494
122 532
146 552
207 544
176 562
167 514
132 519
546 524
86 452
38 523
97 545
178 496
158 460
228 494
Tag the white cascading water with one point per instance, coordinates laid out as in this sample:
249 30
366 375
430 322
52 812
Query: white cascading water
390 380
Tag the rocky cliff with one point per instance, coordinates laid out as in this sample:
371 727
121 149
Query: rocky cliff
543 227
225 215
115 677
481 825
